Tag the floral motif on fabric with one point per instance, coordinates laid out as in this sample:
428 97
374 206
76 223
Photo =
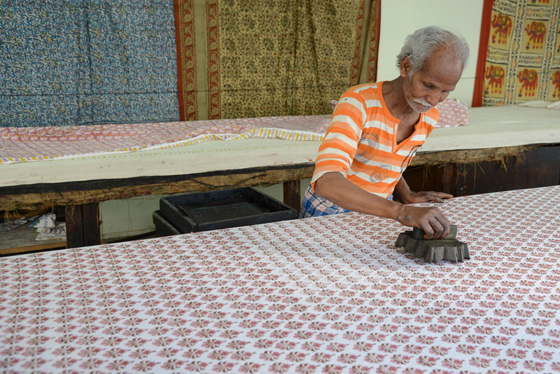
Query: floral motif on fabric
318 295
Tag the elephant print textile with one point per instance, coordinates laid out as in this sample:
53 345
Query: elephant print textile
536 32
529 80
495 79
502 25
556 84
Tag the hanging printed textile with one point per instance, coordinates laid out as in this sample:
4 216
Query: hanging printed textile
83 62
271 58
186 59
523 57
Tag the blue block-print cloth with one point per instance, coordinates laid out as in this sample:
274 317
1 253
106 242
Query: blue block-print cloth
77 62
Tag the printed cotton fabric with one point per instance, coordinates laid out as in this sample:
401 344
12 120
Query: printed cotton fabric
319 295
523 58
452 113
272 58
85 62
50 143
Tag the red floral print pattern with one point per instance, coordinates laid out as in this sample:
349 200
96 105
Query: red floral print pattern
319 295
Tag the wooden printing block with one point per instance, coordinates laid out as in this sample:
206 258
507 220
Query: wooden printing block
431 250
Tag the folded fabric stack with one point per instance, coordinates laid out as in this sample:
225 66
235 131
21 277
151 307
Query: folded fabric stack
48 228
452 113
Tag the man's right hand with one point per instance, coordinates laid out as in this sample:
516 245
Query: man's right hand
336 188
429 219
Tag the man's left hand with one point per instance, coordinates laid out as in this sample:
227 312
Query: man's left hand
425 197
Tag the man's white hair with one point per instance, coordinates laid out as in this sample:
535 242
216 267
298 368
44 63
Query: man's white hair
422 43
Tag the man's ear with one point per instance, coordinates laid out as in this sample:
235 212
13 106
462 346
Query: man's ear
406 66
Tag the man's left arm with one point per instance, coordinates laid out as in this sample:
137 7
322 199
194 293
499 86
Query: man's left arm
410 197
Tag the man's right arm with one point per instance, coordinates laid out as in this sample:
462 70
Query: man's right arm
335 187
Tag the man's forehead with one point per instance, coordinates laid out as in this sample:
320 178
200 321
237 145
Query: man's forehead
441 56
443 65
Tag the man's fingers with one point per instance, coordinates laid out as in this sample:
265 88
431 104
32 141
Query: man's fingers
439 224
427 196
432 196
444 223
439 196
436 196
437 229
431 220
428 230
444 195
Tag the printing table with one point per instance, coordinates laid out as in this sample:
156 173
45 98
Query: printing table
502 149
318 295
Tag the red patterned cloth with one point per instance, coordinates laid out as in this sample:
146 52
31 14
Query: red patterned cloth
319 295
452 113
48 143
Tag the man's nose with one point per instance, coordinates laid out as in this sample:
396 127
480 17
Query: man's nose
433 99
436 97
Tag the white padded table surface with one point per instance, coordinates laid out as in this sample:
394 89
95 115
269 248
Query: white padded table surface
490 127
493 127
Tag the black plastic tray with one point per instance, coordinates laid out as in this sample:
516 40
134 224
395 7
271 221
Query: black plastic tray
221 209
163 228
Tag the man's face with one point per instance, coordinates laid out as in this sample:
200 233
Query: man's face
432 83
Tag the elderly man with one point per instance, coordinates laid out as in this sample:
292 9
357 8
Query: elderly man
376 130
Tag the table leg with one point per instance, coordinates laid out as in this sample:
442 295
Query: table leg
449 178
92 232
292 194
82 225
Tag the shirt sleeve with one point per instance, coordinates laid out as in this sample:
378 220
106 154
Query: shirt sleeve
342 138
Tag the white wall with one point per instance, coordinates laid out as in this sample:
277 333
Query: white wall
400 18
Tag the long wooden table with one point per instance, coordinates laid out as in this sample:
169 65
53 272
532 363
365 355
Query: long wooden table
496 170
503 148
329 294
192 169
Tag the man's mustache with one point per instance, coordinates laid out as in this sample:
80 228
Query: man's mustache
422 102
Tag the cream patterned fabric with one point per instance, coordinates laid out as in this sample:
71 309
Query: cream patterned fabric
319 295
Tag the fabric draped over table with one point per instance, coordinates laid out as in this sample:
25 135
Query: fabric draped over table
84 62
51 143
272 58
522 61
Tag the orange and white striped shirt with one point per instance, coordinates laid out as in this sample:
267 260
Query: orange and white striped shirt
361 142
